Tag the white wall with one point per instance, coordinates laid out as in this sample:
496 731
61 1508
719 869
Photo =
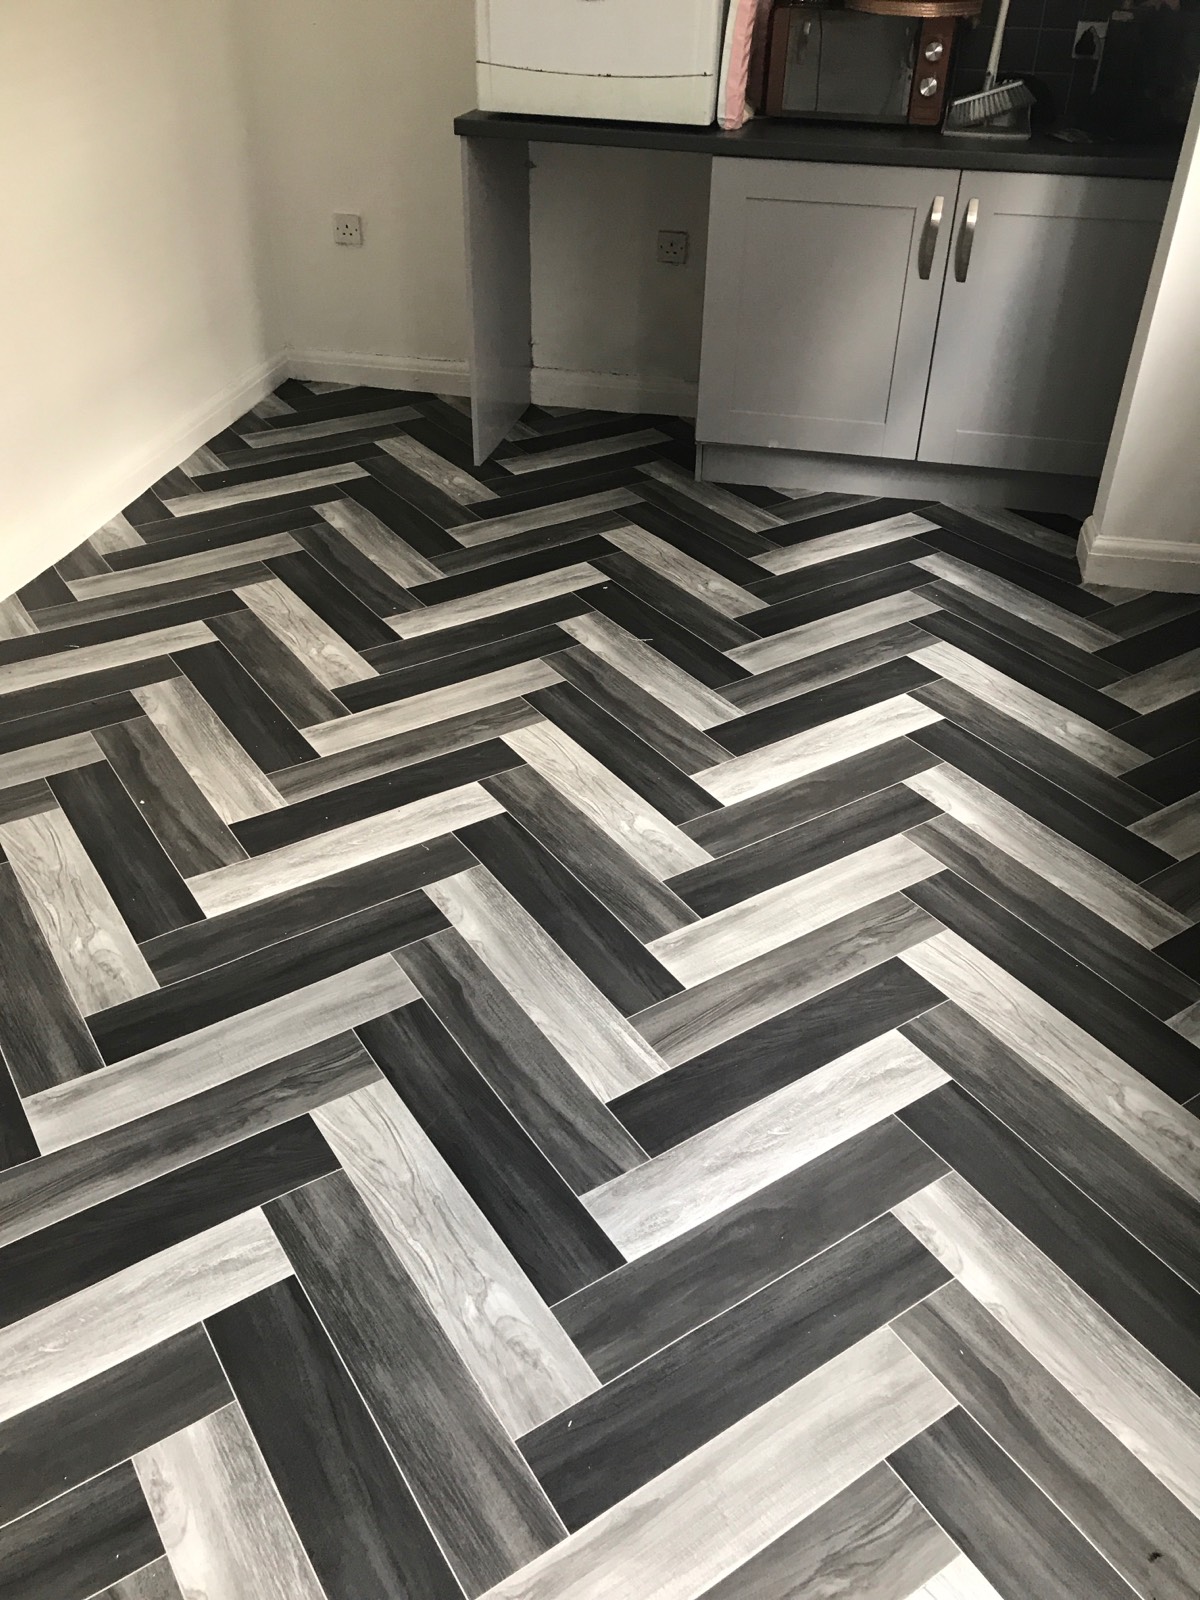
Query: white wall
352 104
1145 530
129 314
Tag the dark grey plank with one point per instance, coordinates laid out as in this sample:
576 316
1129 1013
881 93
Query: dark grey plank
65 1182
276 969
661 1296
1127 1513
179 816
652 590
439 673
985 552
69 1439
636 898
874 1541
697 516
613 1441
600 945
520 544
1171 725
799 678
81 1542
1156 1050
1128 1281
838 569
25 800
42 1034
413 526
482 1502
33 646
817 516
1017 1538
331 600
674 739
253 718
479 579
38 729
1170 777
143 881
495 1160
733 1075
734 827
640 766
1128 966
1154 645
84 687
836 597
67 1256
235 934
795 851
1082 665
1100 1163
276 669
692 528
570 1125
370 585
143 607
164 547
17 1143
354 1513
1179 886
639 611
471 641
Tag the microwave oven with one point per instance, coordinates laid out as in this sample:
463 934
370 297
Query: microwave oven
829 63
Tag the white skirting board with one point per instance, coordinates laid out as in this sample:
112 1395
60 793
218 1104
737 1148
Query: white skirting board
428 373
78 515
613 391
1166 564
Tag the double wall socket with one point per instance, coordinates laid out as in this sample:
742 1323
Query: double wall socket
347 227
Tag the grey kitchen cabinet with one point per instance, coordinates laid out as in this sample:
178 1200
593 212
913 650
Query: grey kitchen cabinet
976 319
821 304
1046 279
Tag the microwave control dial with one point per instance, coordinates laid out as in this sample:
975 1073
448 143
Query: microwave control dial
934 50
927 88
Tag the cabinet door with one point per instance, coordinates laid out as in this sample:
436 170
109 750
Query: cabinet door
820 304
1045 283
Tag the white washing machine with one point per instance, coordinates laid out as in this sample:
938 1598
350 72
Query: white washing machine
632 60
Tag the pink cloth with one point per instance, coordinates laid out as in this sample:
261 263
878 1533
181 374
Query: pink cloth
742 61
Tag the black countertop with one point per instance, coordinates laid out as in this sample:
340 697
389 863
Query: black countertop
830 141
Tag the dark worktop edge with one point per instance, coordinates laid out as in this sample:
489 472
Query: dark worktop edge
824 141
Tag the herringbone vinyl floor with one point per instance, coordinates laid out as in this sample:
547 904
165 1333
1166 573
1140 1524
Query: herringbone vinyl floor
570 1033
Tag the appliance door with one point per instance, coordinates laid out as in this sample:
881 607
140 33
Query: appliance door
846 65
602 38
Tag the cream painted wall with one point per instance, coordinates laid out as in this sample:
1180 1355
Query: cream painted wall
129 309
1145 530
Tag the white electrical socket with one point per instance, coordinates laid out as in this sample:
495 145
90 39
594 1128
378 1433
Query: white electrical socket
672 248
347 227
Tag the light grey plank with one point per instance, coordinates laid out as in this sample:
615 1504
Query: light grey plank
154 1582
118 533
1175 829
802 753
306 861
41 760
223 1525
15 621
86 934
606 1051
871 536
1187 1022
764 921
1011 597
1053 721
323 651
38 670
181 567
435 705
1159 686
271 406
515 1349
202 460
959 1581
702 1177
1153 1413
711 1512
857 622
493 602
1098 886
216 763
182 1067
828 666
504 526
1108 1088
686 696
731 506
359 422
565 455
237 494
711 588
94 1329
653 841
375 540
435 469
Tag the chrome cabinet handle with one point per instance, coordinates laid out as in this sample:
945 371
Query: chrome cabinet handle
929 236
966 239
